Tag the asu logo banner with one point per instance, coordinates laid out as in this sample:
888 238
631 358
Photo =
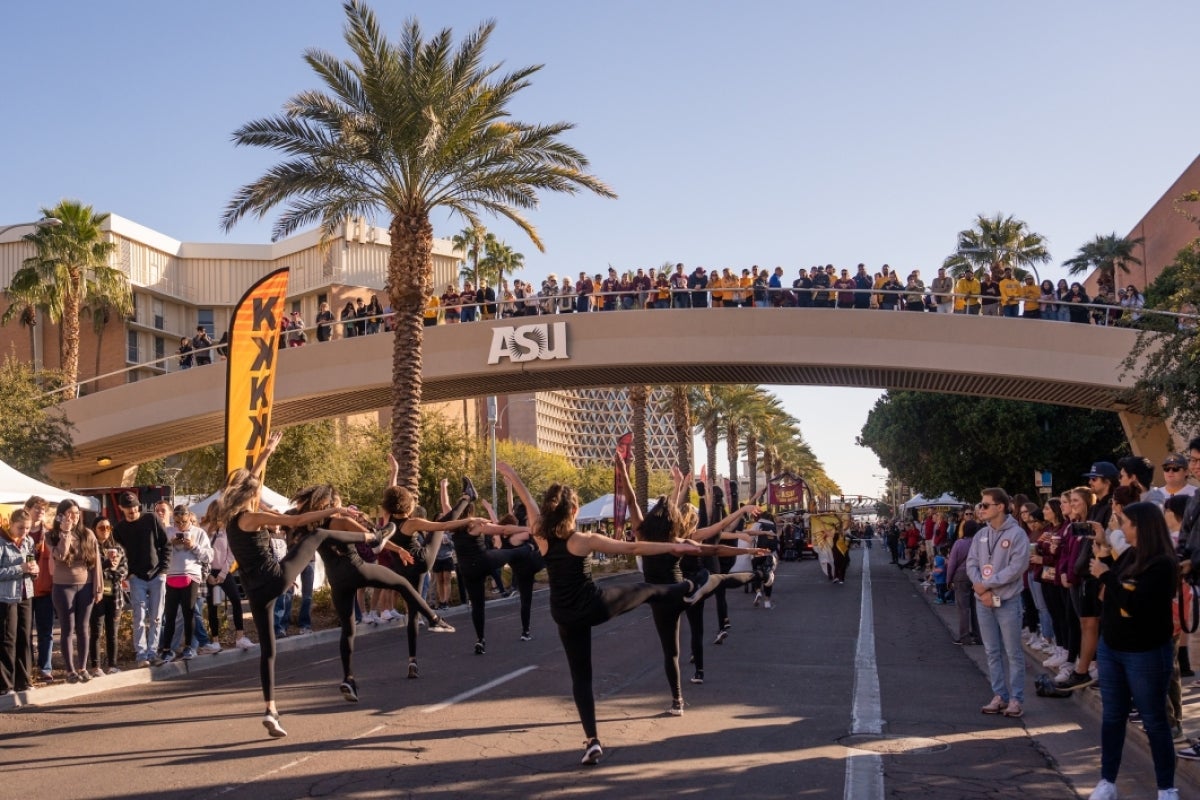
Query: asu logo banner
250 382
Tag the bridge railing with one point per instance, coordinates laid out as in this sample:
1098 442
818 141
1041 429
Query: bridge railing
1102 314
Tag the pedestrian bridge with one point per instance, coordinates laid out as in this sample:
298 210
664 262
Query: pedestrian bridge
1018 359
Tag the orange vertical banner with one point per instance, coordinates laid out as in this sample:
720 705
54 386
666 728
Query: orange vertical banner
250 377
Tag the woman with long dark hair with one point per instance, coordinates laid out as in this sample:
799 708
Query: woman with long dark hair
1047 551
78 581
576 604
263 576
1137 650
1075 673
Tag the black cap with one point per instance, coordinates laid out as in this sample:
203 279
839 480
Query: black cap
1102 469
128 500
1175 460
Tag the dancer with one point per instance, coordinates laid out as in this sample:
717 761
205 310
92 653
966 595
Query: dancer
664 523
577 604
525 567
476 563
417 557
263 576
347 573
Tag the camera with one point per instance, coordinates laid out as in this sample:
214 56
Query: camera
1081 528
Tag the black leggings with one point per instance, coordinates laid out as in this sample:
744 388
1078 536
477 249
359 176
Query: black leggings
230 587
724 565
666 624
184 598
524 570
763 567
104 610
264 588
475 575
423 558
576 637
695 613
346 577
1058 614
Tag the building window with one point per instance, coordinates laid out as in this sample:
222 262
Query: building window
160 350
131 347
134 314
204 319
159 321
296 306
131 376
322 298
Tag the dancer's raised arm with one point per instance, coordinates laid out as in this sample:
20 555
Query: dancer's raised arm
636 514
514 480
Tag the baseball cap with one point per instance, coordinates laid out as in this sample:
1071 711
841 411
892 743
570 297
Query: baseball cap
1175 460
1102 469
128 500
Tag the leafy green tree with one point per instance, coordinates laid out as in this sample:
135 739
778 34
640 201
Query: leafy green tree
996 242
406 129
69 270
33 431
949 443
1106 255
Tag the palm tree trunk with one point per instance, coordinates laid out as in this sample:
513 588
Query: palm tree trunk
752 462
70 327
731 451
410 275
682 418
710 447
641 476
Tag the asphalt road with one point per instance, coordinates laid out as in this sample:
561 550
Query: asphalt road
773 719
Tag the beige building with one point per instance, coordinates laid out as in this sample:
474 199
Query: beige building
178 286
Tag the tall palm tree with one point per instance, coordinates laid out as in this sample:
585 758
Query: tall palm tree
1106 255
106 299
405 128
501 258
764 418
681 420
71 264
470 240
705 402
997 241
641 476
737 401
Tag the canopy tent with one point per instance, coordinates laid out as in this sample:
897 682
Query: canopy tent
271 499
600 509
17 487
946 499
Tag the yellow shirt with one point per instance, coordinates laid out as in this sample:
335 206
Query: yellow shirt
966 291
431 308
1031 292
1010 291
715 283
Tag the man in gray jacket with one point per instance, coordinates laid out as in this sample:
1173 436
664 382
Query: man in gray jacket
997 560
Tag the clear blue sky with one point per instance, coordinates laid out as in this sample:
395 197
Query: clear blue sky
735 134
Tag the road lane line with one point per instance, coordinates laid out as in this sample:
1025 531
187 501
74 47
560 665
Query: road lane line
235 786
458 698
864 771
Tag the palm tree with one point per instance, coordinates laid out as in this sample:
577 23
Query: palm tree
641 475
1105 254
27 296
997 242
706 411
737 401
406 128
470 240
681 417
106 299
764 418
500 258
71 266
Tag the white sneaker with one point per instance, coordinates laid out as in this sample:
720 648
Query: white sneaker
244 643
388 615
1168 794
211 647
1056 660
1105 790
767 604
757 598
371 618
1094 671
1064 672
1049 647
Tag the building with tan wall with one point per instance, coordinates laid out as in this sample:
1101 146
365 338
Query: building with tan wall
178 286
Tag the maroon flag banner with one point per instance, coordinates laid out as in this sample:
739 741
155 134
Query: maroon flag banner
786 493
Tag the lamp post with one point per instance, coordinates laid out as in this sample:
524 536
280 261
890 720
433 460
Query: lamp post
494 412
45 222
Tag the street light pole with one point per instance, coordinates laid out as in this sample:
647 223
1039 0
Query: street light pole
492 418
45 222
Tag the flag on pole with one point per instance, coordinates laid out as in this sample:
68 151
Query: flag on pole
250 370
624 452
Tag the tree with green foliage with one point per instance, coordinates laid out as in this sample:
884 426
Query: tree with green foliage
33 431
996 242
404 130
1106 255
939 443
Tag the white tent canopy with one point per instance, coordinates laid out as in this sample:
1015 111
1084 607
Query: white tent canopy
945 499
601 509
17 487
271 499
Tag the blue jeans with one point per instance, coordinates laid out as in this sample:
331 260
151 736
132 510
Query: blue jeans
1045 621
43 621
1139 679
1000 629
1010 311
283 613
147 599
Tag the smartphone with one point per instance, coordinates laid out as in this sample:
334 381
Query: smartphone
1081 528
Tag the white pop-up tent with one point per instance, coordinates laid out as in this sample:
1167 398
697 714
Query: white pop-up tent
271 499
17 487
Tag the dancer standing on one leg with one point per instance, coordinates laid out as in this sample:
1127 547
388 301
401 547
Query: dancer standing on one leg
576 604
263 576
347 573
524 568
664 523
417 553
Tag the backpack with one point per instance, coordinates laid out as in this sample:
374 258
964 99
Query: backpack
1044 685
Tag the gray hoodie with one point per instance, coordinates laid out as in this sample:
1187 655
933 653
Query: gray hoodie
998 558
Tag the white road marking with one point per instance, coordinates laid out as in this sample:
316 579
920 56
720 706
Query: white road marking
458 698
864 771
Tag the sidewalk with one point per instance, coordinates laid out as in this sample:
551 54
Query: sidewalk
1086 706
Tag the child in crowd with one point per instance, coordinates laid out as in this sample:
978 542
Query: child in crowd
939 575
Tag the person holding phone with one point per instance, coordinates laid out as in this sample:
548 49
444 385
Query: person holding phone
190 551
18 568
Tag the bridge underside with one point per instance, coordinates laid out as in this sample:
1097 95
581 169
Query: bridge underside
1031 360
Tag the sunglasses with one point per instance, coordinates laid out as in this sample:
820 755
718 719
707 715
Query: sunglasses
1172 469
986 505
